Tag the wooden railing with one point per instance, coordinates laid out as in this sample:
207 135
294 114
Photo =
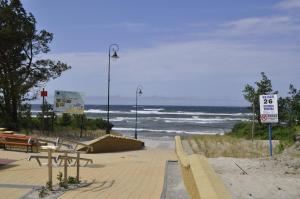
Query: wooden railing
199 178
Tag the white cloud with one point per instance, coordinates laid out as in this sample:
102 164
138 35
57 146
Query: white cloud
195 69
289 4
132 26
262 26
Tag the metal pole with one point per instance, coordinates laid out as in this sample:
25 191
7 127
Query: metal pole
111 47
270 138
136 109
43 113
108 89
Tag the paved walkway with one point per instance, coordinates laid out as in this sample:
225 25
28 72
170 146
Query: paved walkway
128 175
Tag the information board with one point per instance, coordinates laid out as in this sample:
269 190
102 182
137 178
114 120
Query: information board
268 108
68 102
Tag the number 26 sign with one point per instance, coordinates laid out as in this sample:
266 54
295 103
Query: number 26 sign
268 108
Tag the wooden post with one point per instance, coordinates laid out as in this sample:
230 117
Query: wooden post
78 165
66 168
50 168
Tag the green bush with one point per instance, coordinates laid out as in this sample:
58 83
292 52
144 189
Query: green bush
283 133
73 180
66 119
63 123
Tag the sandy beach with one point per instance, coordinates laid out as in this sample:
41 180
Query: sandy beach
265 178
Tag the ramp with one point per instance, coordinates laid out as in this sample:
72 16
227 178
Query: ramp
113 143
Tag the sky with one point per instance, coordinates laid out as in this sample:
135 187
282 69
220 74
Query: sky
196 52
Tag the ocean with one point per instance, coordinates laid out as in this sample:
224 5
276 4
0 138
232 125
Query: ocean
166 121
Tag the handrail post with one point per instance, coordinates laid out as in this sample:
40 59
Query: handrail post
78 165
50 169
66 169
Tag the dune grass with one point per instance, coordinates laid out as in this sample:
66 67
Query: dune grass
227 146
70 133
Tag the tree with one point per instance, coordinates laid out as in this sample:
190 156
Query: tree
293 105
21 72
249 95
263 87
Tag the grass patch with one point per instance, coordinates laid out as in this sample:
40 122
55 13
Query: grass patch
228 146
285 134
70 133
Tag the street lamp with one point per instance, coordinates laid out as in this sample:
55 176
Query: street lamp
137 93
113 48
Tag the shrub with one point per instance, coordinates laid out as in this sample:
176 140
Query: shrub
66 119
283 133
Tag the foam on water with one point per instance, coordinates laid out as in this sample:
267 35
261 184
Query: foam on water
168 120
169 131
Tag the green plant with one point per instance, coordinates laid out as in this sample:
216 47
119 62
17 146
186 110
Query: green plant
280 147
59 176
43 192
61 182
48 185
73 180
66 119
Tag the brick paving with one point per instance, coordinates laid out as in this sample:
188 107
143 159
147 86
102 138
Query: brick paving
128 175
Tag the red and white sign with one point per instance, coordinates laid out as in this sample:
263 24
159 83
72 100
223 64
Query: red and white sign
44 93
268 108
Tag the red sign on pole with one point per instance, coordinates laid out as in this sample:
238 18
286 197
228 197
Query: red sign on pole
44 93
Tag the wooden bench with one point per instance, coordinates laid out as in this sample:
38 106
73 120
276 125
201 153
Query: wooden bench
9 141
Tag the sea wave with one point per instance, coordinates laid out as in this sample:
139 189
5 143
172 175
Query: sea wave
181 120
187 113
99 111
220 131
160 111
202 120
154 109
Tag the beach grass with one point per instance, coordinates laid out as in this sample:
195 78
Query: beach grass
227 146
70 133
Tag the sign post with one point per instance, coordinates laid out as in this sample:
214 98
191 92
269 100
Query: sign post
43 95
269 113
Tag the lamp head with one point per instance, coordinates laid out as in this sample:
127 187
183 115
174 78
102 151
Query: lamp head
115 55
140 92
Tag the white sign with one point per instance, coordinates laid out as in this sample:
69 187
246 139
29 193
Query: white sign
68 102
268 108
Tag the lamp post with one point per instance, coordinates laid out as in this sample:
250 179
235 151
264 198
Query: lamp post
113 48
138 92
